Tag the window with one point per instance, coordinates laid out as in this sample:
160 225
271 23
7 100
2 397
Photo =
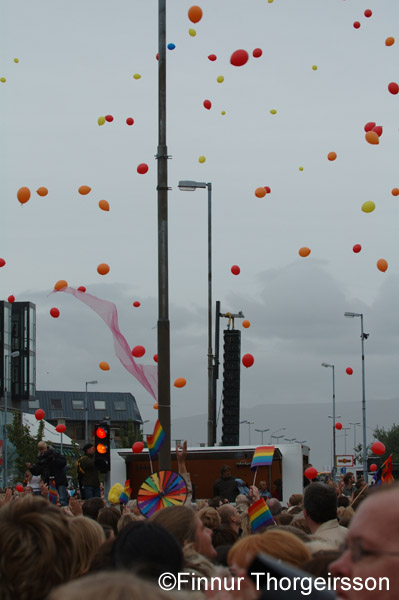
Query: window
120 405
34 403
99 404
56 404
78 404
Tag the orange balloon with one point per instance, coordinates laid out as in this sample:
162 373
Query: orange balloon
260 192
155 406
42 191
84 190
61 284
23 195
180 382
332 155
395 192
195 14
304 251
372 137
246 323
389 41
104 366
104 205
382 265
103 269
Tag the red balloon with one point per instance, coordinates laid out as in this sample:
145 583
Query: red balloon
349 370
142 168
393 87
378 448
356 248
207 104
248 360
239 58
212 57
310 473
138 351
11 299
368 13
129 121
356 24
138 447
136 303
155 357
369 126
338 426
109 118
235 269
378 130
373 467
54 312
2 262
81 288
268 190
39 414
61 428
257 53
19 487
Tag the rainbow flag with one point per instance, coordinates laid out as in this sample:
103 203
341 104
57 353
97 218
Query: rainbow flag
155 441
260 515
52 492
386 475
125 495
263 456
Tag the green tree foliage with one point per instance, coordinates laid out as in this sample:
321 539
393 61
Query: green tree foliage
129 436
390 439
24 442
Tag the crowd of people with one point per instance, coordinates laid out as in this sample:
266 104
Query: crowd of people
92 548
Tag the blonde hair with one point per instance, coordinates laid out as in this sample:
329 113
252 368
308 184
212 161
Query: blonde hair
41 445
210 517
88 537
295 500
245 524
345 514
125 519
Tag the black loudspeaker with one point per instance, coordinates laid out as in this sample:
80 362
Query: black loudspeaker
231 387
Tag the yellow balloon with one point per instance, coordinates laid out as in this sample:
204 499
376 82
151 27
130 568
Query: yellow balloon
314 67
273 111
16 60
220 79
201 159
192 32
137 76
301 168
3 79
101 120
368 206
223 112
270 1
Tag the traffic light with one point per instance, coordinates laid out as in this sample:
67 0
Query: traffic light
102 442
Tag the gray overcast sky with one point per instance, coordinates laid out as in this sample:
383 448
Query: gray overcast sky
76 63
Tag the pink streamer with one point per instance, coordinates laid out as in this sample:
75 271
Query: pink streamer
147 375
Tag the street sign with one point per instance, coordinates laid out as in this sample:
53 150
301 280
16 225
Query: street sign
344 460
343 470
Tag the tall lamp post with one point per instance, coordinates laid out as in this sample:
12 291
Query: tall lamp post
354 440
5 453
87 410
262 431
345 429
277 430
191 186
363 336
334 466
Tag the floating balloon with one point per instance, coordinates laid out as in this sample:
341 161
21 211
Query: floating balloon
103 269
109 118
138 351
157 56
390 41
104 205
248 360
201 159
61 428
273 111
2 262
378 130
129 121
382 265
257 53
314 67
19 487
180 382
395 192
369 126
301 168
137 76
155 406
246 323
3 79
207 104
338 426
195 14
367 13
304 251
11 299
81 288
356 248
378 448
372 137
192 32
16 60
155 358
239 58
136 303
54 312
138 447
260 192
368 206
171 46
84 190
349 370
42 191
142 168
212 57
101 121
235 269
222 112
104 366
356 24
23 195
268 190
332 155
39 414
373 468
220 78
61 284
310 473
393 87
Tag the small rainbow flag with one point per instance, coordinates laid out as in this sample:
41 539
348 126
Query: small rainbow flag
52 492
155 441
260 515
263 456
125 495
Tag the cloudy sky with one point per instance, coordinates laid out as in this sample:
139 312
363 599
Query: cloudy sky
76 63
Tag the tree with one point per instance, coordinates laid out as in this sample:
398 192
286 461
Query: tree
127 438
25 444
359 453
390 439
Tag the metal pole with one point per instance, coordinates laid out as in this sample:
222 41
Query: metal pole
211 440
363 404
215 370
5 454
163 276
61 443
86 416
334 469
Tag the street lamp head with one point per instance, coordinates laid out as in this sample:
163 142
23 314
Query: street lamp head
323 364
92 382
15 354
352 314
190 186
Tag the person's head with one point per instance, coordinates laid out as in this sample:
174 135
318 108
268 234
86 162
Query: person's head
344 515
274 506
89 449
229 517
285 518
349 479
343 501
318 565
131 506
300 523
295 500
320 503
109 515
147 549
372 547
242 508
33 533
186 526
28 489
225 472
126 519
216 502
242 499
88 537
42 447
222 536
210 517
91 507
262 486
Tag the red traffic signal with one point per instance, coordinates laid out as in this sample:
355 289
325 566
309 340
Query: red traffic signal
102 443
101 433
